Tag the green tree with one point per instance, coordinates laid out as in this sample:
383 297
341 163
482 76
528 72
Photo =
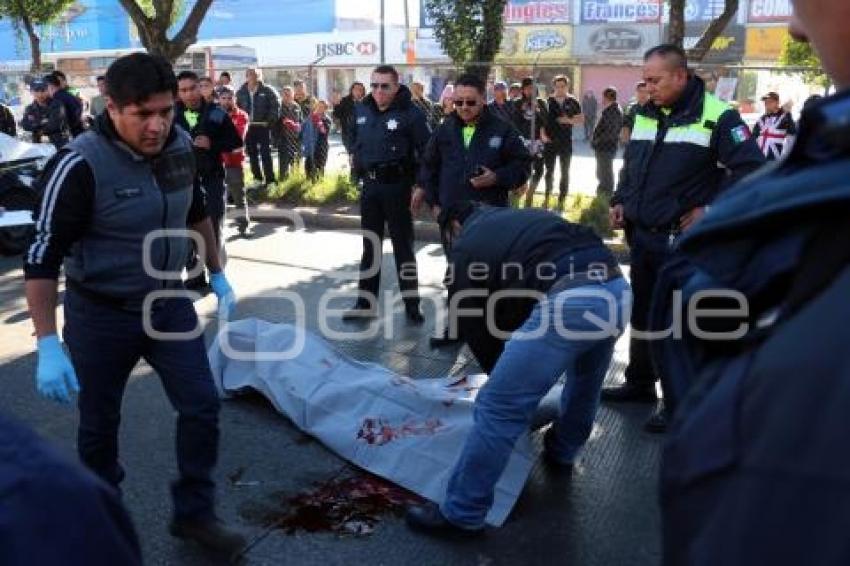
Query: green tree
469 31
27 15
676 29
154 19
802 56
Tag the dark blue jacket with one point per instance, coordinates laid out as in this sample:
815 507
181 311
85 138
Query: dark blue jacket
447 165
398 135
756 469
522 250
73 110
263 107
665 176
55 512
214 123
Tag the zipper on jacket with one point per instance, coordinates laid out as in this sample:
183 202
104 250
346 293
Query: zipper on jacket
164 227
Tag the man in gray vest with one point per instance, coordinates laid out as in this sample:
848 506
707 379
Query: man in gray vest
115 202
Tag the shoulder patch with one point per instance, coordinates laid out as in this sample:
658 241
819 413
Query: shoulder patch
741 134
495 142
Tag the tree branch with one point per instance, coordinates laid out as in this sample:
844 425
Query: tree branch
136 14
698 51
189 33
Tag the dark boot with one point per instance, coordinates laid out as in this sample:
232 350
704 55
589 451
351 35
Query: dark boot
657 423
413 313
429 519
210 533
629 393
360 311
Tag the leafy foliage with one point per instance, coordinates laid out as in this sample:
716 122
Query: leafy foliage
469 31
28 14
801 54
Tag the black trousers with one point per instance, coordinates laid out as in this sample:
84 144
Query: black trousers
557 155
605 172
388 204
216 208
537 167
288 156
649 252
106 343
258 147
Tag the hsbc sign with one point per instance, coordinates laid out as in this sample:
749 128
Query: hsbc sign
346 49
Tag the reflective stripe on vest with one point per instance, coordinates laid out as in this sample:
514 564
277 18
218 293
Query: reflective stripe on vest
646 128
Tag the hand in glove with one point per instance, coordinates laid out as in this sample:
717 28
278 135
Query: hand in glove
54 374
224 292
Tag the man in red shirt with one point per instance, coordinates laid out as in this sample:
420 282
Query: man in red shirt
234 175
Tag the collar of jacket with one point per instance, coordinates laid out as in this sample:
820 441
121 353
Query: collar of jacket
686 110
403 100
103 126
482 122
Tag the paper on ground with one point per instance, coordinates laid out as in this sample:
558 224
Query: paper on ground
15 218
407 431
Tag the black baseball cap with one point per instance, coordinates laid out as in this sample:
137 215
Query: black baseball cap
38 85
771 96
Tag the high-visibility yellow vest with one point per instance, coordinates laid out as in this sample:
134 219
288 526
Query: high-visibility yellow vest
698 133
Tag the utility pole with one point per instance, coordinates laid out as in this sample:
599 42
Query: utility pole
383 32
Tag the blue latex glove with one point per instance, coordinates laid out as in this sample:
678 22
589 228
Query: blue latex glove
224 292
54 374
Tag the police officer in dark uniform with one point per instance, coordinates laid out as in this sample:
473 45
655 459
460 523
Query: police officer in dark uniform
389 134
213 133
670 175
472 156
45 117
104 196
756 468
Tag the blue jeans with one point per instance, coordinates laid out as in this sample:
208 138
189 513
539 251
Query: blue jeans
524 373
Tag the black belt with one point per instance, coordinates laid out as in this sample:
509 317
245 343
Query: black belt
573 280
133 304
387 173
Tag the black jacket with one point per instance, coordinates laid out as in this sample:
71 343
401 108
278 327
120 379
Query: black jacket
606 134
447 165
7 121
561 134
344 116
756 468
48 121
397 135
214 123
73 110
523 118
524 250
263 107
662 180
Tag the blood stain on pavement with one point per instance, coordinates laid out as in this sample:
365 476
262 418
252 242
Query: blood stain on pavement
350 506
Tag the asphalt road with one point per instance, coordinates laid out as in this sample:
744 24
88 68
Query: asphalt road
606 513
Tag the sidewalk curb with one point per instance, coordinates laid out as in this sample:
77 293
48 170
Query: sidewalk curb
317 218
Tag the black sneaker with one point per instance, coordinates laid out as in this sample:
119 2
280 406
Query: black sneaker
360 311
210 533
657 423
414 314
549 458
629 393
429 519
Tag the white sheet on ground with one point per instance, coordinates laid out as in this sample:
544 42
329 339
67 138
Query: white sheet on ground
407 431
12 149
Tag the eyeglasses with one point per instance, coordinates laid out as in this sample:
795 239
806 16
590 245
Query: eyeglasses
382 86
469 103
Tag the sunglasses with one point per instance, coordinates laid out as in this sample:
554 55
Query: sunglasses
469 103
382 86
